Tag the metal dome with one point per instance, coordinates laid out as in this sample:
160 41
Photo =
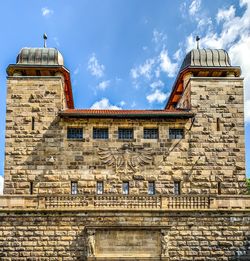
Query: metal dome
40 56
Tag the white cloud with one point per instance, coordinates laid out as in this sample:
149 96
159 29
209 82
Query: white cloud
157 96
77 69
94 67
56 40
157 84
194 7
178 54
166 64
104 104
159 37
225 14
143 70
1 185
46 11
103 85
122 103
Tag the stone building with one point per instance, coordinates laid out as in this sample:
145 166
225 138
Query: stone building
83 184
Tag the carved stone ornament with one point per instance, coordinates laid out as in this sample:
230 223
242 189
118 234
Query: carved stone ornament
91 243
164 243
127 159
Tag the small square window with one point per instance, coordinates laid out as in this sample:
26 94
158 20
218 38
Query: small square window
125 188
150 133
75 133
99 187
100 133
151 188
176 133
177 187
125 134
74 187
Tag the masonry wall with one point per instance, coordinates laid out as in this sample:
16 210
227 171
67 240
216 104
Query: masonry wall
54 235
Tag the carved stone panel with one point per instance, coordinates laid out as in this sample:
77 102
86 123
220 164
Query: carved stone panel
127 244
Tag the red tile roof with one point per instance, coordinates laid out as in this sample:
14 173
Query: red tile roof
125 113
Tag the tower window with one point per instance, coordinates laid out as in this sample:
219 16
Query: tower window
219 188
125 187
31 187
150 133
75 133
177 187
125 134
151 188
99 187
176 133
100 133
33 123
74 187
218 124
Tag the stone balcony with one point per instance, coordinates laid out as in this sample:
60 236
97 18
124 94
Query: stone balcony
124 202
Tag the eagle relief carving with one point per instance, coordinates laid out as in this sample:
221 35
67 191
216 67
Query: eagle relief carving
126 159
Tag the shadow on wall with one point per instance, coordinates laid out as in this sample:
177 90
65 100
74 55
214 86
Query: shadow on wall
243 254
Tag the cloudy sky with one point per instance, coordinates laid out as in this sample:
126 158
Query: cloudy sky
124 54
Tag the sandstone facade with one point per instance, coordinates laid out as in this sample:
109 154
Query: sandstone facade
174 195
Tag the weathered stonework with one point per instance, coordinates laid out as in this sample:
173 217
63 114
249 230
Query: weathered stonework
206 217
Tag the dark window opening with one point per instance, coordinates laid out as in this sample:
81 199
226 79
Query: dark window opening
151 187
150 133
99 187
75 133
176 133
218 124
125 187
31 187
125 134
177 187
33 123
38 73
74 187
219 188
100 133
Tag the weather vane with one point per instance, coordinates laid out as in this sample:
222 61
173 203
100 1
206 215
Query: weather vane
197 40
45 39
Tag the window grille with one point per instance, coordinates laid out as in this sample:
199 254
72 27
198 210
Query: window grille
75 133
125 188
100 133
176 133
74 187
99 187
125 134
151 187
151 133
177 187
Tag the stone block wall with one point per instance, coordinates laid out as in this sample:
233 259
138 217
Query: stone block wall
55 235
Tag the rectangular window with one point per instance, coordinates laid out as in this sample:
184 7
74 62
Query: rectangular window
219 188
31 187
33 123
150 133
177 187
99 187
125 188
125 134
100 133
218 124
74 187
75 133
151 188
176 133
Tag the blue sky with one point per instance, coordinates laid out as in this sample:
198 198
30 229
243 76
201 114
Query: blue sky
125 53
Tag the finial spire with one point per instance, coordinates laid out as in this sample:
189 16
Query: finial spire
197 41
45 39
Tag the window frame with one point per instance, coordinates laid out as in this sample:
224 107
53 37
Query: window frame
76 137
94 133
99 192
125 129
177 188
74 188
153 187
125 190
175 135
150 135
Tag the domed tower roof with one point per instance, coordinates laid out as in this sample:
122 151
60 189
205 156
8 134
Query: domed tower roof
206 58
39 56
